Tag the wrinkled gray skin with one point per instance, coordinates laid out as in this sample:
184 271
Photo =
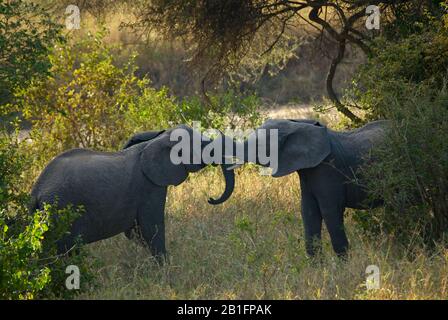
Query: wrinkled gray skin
118 189
327 162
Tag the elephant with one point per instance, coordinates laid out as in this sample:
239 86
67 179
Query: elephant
118 189
327 163
135 231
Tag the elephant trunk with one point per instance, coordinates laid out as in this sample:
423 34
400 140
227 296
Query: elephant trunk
229 175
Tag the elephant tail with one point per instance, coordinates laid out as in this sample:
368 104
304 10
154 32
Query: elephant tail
33 205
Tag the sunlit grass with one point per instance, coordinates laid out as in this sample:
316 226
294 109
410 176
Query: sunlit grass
252 247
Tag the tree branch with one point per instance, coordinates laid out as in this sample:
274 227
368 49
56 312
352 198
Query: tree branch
341 38
330 77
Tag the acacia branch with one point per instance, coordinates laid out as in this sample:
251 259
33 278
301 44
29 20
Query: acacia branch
330 77
341 38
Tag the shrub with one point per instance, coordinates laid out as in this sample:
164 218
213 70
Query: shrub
27 33
410 171
20 275
225 110
12 163
405 81
29 265
84 102
420 58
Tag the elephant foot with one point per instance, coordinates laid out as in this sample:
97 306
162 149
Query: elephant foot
343 255
135 234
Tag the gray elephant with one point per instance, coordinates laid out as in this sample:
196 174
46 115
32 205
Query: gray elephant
118 189
327 163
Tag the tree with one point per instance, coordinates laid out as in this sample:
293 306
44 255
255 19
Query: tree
224 33
27 33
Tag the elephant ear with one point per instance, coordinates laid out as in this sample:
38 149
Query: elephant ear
156 163
309 121
301 145
142 137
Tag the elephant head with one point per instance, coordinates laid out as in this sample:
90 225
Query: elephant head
169 156
298 144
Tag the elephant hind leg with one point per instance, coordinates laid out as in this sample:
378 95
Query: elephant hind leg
135 234
333 214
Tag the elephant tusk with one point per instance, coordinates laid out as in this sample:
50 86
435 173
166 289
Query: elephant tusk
235 163
235 166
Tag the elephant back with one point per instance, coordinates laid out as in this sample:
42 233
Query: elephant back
142 137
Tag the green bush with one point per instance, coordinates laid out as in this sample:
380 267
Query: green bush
225 110
419 58
410 171
12 163
21 277
405 81
27 33
84 101
29 265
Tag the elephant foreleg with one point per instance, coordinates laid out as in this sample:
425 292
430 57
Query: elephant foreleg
312 222
151 219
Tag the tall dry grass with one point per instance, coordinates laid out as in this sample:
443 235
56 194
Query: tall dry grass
252 247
